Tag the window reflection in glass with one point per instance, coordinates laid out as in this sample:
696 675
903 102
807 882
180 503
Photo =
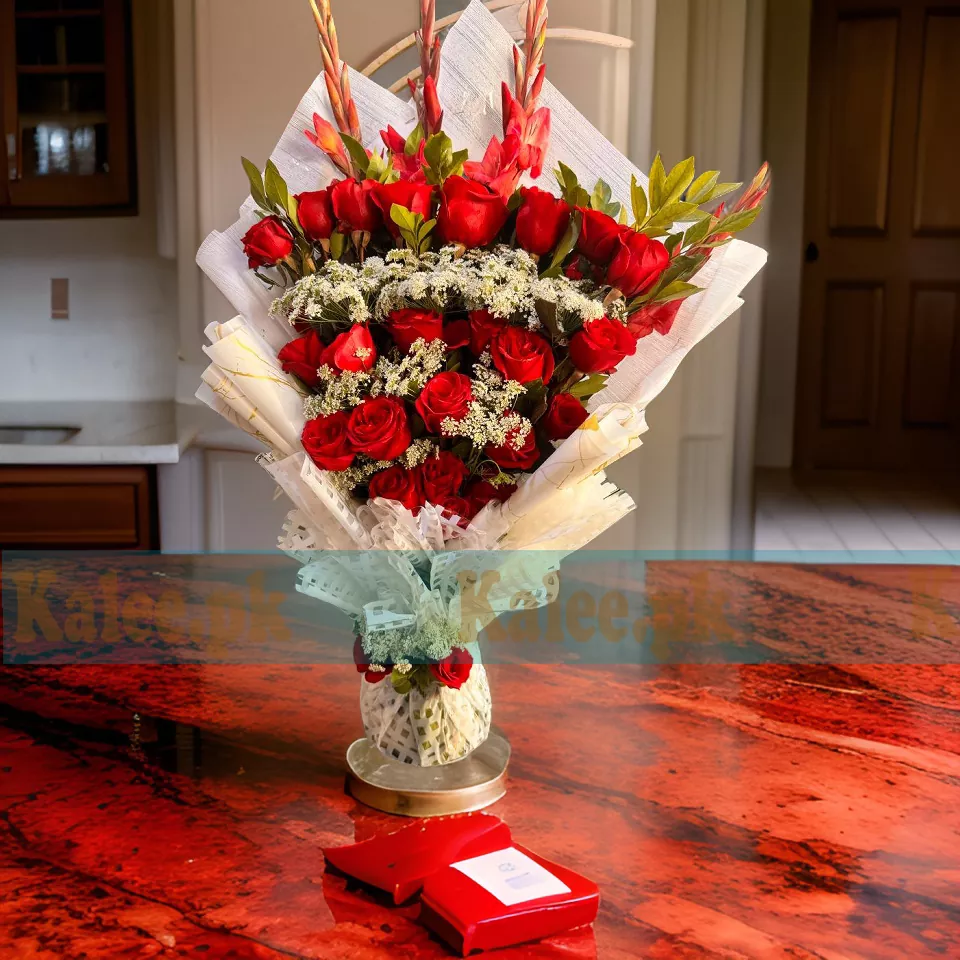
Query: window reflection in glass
58 149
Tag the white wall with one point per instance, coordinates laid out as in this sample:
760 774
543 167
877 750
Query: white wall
120 341
788 45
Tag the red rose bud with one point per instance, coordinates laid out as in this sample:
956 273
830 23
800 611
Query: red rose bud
408 326
267 243
303 357
470 213
456 334
654 316
510 457
637 263
362 659
456 507
480 492
380 428
600 345
400 484
354 204
353 350
522 356
455 670
326 442
483 325
442 476
541 220
416 197
315 212
445 395
598 235
563 416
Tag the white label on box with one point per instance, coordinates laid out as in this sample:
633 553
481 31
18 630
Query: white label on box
511 876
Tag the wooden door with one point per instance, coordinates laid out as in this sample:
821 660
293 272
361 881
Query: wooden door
879 355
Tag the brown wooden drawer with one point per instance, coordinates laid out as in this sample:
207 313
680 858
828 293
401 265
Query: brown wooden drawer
77 508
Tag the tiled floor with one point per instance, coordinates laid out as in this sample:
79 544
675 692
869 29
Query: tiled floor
865 517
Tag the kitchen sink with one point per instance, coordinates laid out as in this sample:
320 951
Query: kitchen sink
37 436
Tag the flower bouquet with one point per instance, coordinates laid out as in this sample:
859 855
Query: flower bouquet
443 348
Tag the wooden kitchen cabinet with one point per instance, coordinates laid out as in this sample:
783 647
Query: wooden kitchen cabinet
78 508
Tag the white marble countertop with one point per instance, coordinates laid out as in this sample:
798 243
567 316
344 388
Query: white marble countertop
109 432
117 432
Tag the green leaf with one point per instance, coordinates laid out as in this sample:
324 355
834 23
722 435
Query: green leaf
567 242
721 190
276 188
698 233
402 217
570 188
738 221
678 290
357 153
412 144
338 243
673 242
699 191
658 183
681 176
602 199
589 386
402 682
638 200
256 183
675 212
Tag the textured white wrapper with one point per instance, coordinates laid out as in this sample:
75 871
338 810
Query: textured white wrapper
376 561
428 730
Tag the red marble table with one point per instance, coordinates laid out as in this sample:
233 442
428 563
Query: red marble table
803 808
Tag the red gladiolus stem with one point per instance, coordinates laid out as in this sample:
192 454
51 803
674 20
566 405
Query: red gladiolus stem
336 74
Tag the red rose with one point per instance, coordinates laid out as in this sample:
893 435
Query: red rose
400 484
315 213
267 243
637 263
480 492
353 350
483 325
442 476
354 204
600 345
416 197
445 395
541 220
598 235
456 334
407 326
470 213
456 507
521 355
563 416
380 428
511 457
303 357
362 659
326 442
654 316
455 670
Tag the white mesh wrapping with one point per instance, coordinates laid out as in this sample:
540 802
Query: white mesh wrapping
443 726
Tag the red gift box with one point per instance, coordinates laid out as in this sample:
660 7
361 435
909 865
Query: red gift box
469 912
399 862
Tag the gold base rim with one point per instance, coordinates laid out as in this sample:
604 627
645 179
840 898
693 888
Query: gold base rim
466 786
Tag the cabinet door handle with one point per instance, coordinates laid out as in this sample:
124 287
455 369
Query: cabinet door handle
813 253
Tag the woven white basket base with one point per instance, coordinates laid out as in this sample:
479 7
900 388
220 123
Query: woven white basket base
427 731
